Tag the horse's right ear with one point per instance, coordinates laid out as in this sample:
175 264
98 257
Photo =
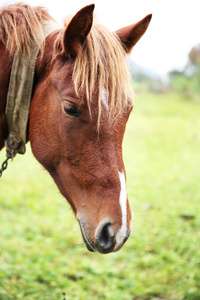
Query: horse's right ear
77 30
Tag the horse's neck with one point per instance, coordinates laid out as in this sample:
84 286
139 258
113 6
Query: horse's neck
5 69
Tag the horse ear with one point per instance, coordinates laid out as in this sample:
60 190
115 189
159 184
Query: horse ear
130 35
78 29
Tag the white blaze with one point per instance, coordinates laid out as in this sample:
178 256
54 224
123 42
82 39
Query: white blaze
104 98
123 203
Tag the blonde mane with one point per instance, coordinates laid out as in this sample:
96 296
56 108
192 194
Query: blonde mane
102 67
20 24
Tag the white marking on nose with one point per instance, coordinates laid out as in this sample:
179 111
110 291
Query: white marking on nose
123 203
104 98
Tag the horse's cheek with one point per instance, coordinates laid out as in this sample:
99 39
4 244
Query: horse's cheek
43 134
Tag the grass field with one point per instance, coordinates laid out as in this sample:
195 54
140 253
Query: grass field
42 255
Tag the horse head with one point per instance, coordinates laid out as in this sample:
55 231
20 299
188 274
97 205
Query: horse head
80 107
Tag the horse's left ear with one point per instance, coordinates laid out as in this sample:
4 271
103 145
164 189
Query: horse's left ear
130 35
78 29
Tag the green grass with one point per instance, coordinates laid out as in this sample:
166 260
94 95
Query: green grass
42 254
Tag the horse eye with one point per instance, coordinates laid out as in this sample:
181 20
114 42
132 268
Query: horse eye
71 110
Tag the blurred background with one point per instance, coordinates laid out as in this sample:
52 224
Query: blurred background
174 29
42 255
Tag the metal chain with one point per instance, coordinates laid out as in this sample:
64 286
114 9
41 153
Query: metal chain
4 166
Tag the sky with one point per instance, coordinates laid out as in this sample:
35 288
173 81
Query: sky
173 31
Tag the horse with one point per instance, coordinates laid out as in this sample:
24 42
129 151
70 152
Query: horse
81 100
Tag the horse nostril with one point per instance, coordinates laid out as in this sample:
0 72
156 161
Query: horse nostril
105 236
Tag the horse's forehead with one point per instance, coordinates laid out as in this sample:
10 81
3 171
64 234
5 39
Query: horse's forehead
61 76
99 97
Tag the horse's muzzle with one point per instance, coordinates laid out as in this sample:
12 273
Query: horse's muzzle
105 238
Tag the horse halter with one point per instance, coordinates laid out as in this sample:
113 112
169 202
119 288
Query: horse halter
19 97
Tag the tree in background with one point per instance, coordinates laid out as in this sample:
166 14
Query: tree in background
194 56
188 80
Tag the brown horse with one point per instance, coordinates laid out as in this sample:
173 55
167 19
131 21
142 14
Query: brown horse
80 105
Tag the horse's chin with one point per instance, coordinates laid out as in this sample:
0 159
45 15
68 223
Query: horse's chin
85 239
87 244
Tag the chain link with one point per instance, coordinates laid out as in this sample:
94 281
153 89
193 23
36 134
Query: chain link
4 166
